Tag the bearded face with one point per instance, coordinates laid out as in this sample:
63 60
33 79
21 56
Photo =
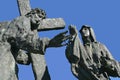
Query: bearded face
36 15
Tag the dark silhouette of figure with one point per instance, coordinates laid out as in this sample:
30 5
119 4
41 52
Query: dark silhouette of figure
90 60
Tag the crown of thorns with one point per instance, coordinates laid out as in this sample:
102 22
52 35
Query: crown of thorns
41 13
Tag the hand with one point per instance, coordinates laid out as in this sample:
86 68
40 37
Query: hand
58 40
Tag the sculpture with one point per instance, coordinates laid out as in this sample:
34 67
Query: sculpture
90 60
38 62
21 34
21 44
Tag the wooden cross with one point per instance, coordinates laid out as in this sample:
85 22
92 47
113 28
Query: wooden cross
39 66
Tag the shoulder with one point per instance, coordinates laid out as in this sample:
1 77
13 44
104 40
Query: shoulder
20 19
20 22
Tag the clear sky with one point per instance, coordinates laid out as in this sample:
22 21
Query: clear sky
102 15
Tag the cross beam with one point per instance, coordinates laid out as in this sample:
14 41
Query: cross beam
38 62
51 24
46 24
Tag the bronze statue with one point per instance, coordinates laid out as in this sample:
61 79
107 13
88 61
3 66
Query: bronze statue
90 60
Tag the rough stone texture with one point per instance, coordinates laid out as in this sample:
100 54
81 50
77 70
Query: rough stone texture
51 24
38 62
20 43
8 66
17 36
90 60
22 57
7 63
46 24
24 6
39 67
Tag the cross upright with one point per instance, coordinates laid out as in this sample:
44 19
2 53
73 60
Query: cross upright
38 62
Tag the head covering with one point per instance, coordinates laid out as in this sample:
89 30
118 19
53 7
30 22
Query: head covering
92 34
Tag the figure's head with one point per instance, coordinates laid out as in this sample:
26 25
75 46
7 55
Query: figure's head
35 16
37 13
87 33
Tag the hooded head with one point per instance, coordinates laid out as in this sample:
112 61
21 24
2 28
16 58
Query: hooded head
87 34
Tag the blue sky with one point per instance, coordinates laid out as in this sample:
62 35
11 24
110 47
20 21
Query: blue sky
102 15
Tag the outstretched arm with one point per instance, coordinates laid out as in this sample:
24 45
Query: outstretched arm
58 40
